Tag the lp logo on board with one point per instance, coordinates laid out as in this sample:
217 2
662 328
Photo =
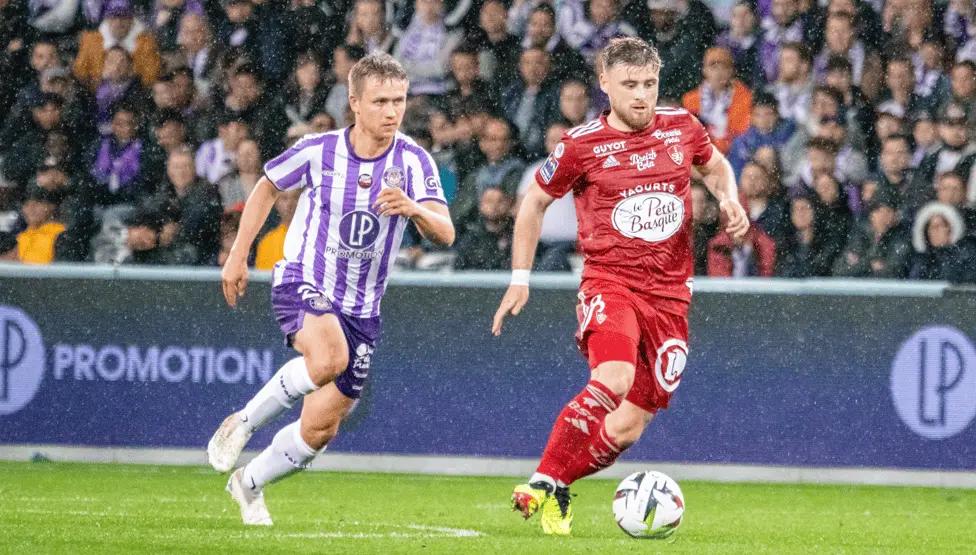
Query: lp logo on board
933 382
21 359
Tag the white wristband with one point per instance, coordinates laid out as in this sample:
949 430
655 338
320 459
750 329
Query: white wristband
520 277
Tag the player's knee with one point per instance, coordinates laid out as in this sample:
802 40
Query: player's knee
617 376
324 365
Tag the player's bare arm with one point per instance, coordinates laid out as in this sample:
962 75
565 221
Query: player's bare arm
233 277
528 228
720 181
432 218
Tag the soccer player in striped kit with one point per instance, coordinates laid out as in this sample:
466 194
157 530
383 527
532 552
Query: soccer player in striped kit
360 186
629 172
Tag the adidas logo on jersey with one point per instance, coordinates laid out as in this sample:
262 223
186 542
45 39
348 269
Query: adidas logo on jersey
610 162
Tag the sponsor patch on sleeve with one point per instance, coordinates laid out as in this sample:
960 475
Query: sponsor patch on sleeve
548 169
431 184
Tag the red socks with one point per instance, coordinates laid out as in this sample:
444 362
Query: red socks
579 445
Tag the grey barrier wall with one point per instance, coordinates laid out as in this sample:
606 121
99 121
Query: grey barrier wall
828 373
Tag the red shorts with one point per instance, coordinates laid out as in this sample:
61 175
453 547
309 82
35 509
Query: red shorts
616 324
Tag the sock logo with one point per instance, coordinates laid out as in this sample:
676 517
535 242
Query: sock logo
579 424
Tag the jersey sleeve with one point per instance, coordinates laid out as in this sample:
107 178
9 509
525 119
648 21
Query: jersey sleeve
291 169
701 143
425 180
560 172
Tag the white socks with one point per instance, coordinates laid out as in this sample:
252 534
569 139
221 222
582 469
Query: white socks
536 477
287 454
289 384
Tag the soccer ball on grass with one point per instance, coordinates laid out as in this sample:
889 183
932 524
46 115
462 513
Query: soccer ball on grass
648 505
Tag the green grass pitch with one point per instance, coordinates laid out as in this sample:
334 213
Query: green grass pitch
79 508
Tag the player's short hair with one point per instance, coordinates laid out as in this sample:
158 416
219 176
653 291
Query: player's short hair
630 51
377 64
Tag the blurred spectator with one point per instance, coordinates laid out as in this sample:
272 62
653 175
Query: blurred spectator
467 91
35 244
55 19
486 244
216 158
540 32
425 48
925 136
143 230
963 89
840 40
781 26
306 93
681 30
368 28
499 50
118 167
721 102
316 28
575 107
895 174
588 27
500 169
743 39
764 201
236 186
528 100
118 28
168 20
859 114
169 131
8 247
793 87
880 249
271 247
15 37
190 210
943 251
198 52
250 101
931 82
808 251
337 103
26 145
766 129
44 57
957 153
951 189
558 238
752 255
253 31
899 96
834 215
704 211
118 86
959 24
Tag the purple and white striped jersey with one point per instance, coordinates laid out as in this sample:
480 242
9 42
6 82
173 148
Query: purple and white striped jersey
336 241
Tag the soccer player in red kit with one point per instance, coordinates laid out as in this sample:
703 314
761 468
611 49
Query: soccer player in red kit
630 174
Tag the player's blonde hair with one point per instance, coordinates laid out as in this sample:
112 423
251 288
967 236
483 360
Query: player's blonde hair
630 51
376 64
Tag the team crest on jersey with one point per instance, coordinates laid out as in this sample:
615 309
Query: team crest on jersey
610 162
393 177
677 154
365 180
548 169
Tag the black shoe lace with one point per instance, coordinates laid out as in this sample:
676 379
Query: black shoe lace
563 497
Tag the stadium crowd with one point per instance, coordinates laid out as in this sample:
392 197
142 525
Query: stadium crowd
133 130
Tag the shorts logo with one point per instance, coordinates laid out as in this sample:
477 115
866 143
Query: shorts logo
393 177
672 357
677 155
359 229
593 309
364 355
21 359
548 169
365 180
431 184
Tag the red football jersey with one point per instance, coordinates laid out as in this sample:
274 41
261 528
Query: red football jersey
633 199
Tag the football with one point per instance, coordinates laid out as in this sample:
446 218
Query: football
648 505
